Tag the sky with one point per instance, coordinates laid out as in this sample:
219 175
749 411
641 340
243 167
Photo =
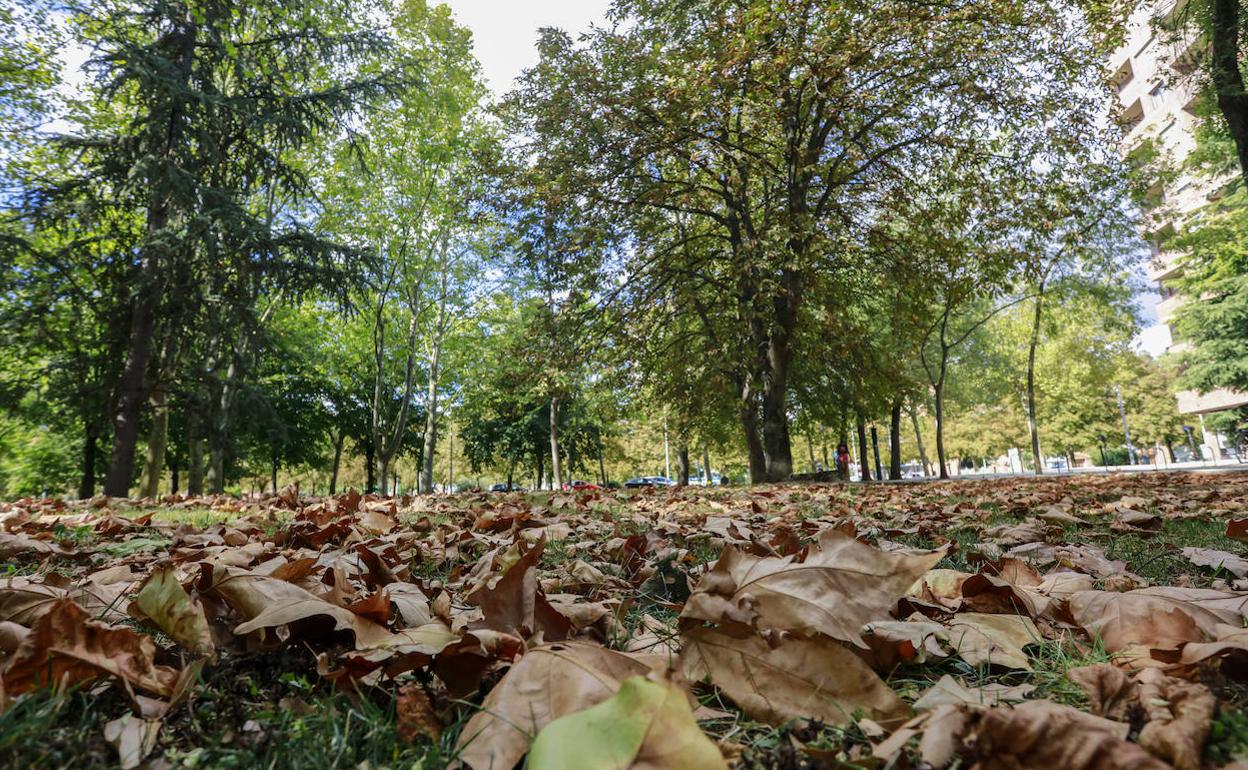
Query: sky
505 31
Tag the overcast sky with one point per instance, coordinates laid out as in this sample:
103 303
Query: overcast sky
504 31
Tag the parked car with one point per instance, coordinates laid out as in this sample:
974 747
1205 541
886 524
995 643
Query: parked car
638 483
503 488
580 485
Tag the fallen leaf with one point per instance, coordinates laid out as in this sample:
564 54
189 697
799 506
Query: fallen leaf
67 647
163 601
1040 735
837 590
645 726
996 640
1110 691
133 737
1179 717
797 678
545 684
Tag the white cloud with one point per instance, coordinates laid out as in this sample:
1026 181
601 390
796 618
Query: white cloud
505 31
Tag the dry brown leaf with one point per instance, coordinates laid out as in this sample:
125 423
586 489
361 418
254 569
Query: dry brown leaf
1040 735
997 640
798 678
837 590
1227 639
1179 718
266 602
1214 559
950 692
1133 622
1110 691
133 737
66 646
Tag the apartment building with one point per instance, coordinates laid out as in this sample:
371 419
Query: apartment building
1158 103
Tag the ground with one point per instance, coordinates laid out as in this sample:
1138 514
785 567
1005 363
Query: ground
800 624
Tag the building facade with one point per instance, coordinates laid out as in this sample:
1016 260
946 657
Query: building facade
1157 101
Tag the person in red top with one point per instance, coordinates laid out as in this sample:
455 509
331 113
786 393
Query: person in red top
842 461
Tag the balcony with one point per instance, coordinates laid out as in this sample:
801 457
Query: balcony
1167 308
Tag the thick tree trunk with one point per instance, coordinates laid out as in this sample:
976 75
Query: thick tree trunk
90 447
894 441
1228 80
1032 426
333 476
370 465
682 465
707 478
157 443
555 470
753 444
864 460
133 387
777 446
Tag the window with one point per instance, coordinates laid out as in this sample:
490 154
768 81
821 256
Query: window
1157 95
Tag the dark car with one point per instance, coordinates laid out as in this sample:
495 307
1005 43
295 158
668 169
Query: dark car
503 488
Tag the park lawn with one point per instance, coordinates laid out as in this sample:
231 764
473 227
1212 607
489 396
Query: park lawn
615 568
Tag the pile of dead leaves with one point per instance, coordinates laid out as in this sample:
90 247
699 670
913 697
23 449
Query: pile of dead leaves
590 630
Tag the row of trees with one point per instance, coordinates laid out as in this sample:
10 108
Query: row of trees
298 235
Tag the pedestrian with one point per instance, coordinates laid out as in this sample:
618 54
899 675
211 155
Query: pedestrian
842 461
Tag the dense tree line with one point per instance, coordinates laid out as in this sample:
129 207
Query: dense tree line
272 240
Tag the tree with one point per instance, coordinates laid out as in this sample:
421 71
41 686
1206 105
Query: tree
775 128
205 102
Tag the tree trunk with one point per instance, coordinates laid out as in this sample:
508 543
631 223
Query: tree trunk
875 448
90 446
157 443
333 476
777 446
682 465
370 464
1228 80
1032 425
602 464
864 460
918 439
940 431
894 442
132 389
707 479
556 471
173 476
810 449
753 445
540 454
431 416
273 469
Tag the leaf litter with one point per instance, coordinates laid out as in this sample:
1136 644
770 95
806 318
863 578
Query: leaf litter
1090 622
